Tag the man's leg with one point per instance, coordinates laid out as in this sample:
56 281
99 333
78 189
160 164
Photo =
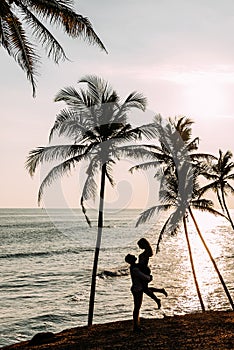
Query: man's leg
137 296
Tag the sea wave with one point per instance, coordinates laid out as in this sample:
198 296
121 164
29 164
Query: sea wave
113 273
45 253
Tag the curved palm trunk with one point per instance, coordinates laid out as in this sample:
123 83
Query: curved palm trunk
220 200
226 208
98 244
213 261
192 265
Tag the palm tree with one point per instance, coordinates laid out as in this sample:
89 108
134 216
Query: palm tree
96 122
179 188
168 194
21 20
220 173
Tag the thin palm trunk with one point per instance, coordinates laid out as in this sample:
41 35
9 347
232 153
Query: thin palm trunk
226 208
98 244
220 201
192 265
212 260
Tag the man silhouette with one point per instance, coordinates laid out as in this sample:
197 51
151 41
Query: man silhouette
138 279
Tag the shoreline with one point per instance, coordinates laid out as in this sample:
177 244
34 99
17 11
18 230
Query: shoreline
207 331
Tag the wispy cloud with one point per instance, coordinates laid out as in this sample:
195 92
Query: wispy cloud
215 74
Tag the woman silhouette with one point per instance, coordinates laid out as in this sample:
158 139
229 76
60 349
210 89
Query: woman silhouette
143 261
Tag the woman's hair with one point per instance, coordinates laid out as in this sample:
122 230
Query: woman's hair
144 244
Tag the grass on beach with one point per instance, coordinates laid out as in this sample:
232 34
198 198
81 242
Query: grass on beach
207 331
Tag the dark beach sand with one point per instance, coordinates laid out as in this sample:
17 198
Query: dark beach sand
207 331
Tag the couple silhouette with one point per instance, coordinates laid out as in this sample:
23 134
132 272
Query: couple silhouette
141 276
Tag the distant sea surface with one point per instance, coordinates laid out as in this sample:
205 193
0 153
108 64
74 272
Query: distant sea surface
46 261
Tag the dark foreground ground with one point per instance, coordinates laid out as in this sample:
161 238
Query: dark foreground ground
207 331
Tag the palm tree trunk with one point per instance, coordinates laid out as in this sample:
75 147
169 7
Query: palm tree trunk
212 260
220 201
192 265
226 208
98 244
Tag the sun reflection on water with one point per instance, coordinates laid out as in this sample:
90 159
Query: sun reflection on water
208 280
172 268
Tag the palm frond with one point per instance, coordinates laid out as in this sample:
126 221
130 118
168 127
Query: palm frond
146 215
182 125
229 188
60 13
73 126
52 153
176 218
211 186
134 100
108 172
202 203
90 186
5 11
18 46
202 156
65 116
160 237
193 145
168 195
125 133
149 131
43 35
57 172
145 166
98 89
131 151
84 212
74 99
207 207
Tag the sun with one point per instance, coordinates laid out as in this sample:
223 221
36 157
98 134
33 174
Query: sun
204 93
205 98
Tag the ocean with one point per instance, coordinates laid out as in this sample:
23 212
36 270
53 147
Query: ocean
46 266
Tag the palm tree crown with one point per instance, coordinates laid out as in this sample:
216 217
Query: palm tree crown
178 167
21 20
96 122
220 173
176 163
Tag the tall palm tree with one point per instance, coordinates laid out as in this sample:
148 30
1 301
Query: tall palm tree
96 122
220 173
24 20
179 188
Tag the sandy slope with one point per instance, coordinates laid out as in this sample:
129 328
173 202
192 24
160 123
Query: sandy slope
207 331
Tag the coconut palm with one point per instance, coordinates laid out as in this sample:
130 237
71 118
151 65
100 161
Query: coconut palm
24 20
169 194
179 187
221 173
96 122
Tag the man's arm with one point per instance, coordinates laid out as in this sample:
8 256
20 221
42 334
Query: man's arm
136 272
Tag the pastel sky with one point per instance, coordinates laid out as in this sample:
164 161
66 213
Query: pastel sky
179 54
